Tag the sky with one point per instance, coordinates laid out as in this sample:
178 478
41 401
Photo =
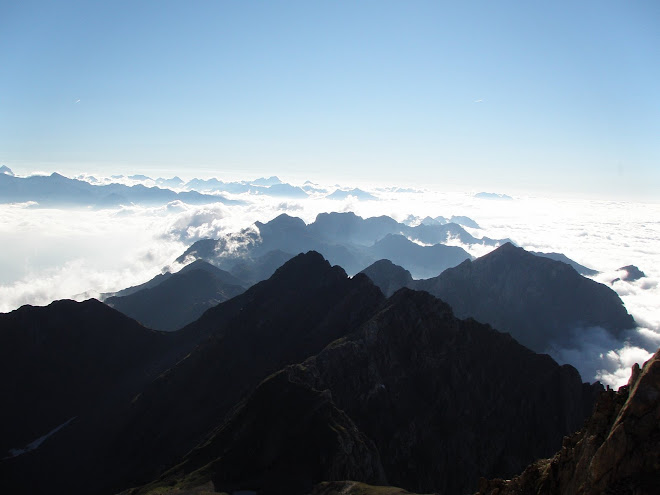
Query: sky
546 97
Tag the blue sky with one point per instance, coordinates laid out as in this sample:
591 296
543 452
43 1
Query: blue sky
556 97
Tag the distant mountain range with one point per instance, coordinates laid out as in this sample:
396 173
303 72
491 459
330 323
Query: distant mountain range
56 190
344 239
305 377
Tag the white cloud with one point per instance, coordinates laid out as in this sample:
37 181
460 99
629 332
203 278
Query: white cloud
50 254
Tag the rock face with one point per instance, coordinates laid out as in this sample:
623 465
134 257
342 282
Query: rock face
541 302
616 452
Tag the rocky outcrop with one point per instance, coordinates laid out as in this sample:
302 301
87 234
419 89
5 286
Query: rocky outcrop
615 453
632 273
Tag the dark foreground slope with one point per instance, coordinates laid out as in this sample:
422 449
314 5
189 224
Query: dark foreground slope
58 362
414 398
305 305
617 452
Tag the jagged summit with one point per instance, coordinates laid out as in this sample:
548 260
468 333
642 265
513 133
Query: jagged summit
307 269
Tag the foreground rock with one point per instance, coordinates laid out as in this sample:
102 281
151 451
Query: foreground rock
618 450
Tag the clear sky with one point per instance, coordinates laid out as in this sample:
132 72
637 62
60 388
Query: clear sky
546 96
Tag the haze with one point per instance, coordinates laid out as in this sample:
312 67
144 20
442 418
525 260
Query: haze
541 97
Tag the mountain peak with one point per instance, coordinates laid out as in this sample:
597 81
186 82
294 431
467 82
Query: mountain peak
283 221
308 268
388 276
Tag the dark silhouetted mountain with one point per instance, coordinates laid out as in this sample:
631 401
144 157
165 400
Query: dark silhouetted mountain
57 190
421 261
63 360
464 221
4 169
356 193
180 298
540 301
433 401
303 307
488 195
632 273
388 277
581 269
616 451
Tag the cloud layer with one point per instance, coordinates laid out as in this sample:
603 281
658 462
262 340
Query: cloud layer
54 254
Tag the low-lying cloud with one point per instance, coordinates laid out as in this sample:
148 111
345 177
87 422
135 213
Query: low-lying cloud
51 254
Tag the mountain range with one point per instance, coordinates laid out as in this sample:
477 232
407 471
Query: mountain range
549 303
55 190
305 377
344 239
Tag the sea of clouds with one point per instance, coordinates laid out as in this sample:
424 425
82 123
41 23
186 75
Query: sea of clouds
51 254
